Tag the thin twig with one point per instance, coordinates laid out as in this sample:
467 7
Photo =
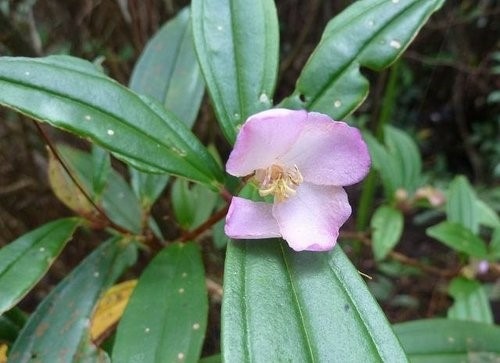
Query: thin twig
100 211
214 218
397 256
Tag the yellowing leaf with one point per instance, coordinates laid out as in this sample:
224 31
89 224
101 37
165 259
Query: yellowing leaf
66 190
3 353
110 308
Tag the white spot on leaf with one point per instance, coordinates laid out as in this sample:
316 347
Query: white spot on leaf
147 330
180 356
96 274
87 118
337 103
395 1
395 44
26 73
178 151
181 291
42 249
196 326
184 274
264 98
110 132
219 27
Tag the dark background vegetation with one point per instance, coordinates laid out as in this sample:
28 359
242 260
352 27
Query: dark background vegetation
444 100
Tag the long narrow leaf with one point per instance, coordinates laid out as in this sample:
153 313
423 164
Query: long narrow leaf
67 93
58 330
443 341
168 71
369 33
282 306
166 317
237 46
24 261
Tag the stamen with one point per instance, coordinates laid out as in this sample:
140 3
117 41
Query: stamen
278 181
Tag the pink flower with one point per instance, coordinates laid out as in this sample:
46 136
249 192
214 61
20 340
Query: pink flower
302 159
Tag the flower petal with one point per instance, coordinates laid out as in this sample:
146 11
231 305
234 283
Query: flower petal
264 138
329 152
311 219
247 219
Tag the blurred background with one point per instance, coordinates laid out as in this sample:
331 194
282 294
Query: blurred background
448 99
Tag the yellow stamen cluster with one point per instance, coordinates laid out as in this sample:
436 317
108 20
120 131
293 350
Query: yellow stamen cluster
278 181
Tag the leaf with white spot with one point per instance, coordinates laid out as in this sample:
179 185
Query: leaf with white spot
67 93
237 43
58 330
24 261
369 33
166 317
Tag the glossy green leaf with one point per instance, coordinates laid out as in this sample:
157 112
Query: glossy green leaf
387 224
461 204
398 161
168 71
166 317
101 163
24 261
282 306
384 163
69 93
117 199
470 301
406 155
449 341
237 45
459 238
58 329
369 33
191 205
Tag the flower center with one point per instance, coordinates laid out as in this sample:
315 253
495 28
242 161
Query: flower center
278 181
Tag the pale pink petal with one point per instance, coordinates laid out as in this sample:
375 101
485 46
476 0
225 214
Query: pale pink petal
263 139
250 220
329 152
311 219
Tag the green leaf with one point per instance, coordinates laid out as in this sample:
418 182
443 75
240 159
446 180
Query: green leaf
168 71
101 163
459 238
281 305
471 302
449 341
384 163
237 45
69 94
58 329
495 243
406 155
370 33
387 224
398 162
461 204
166 317
11 323
191 205
486 215
24 261
212 359
118 200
